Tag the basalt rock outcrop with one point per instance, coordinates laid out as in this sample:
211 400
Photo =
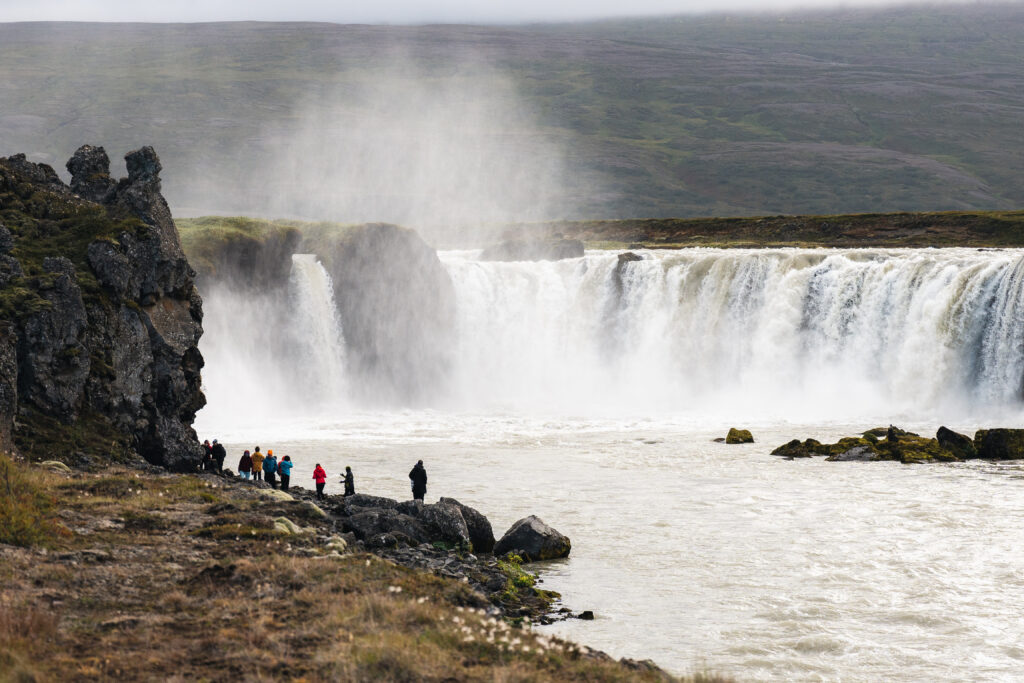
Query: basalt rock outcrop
100 316
396 303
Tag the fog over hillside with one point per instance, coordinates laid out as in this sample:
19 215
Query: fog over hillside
844 111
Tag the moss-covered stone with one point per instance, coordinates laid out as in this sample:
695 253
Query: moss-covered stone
736 436
1000 444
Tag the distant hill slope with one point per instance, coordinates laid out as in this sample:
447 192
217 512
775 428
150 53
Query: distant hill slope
851 111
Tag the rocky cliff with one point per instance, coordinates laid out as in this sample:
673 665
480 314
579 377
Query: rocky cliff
99 315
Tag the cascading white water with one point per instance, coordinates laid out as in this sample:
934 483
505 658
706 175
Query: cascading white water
916 334
317 329
270 356
808 334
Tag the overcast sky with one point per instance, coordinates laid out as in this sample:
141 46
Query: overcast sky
380 11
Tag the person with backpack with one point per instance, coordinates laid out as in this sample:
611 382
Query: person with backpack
270 469
219 454
350 482
245 466
257 464
418 477
320 477
284 468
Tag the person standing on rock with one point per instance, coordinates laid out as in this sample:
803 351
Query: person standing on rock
284 468
257 464
219 454
320 477
350 482
270 469
245 466
418 476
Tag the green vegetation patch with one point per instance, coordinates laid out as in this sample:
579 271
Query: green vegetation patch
27 509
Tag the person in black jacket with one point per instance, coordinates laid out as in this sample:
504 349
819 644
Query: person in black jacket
418 475
219 454
350 482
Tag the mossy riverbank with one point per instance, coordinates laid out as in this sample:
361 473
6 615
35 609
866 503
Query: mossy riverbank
131 574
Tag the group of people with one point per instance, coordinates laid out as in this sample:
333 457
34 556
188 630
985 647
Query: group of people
268 468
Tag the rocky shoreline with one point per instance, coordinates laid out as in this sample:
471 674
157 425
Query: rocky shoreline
135 572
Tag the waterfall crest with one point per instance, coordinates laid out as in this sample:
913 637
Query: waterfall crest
812 335
745 333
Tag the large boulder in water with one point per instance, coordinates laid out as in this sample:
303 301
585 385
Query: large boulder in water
736 436
533 540
481 535
960 445
1000 444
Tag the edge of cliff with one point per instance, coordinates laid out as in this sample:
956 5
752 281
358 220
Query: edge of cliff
99 315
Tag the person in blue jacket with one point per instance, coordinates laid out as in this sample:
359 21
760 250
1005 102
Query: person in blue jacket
285 469
270 469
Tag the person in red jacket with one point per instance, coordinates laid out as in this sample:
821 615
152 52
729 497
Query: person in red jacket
320 477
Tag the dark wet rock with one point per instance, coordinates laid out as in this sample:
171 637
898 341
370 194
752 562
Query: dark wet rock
801 449
481 535
533 250
122 359
8 384
405 354
361 500
621 264
369 522
737 436
586 615
90 174
445 524
855 454
533 540
960 445
6 240
999 444
898 445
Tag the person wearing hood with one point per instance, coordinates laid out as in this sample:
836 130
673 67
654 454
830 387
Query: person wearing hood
219 454
245 466
257 464
350 482
418 477
270 469
284 468
320 477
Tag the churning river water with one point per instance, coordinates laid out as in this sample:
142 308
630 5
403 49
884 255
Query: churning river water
589 395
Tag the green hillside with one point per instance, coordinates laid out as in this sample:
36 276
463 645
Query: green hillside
910 109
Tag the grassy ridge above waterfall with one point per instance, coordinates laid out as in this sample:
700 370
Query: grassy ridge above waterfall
942 229
208 241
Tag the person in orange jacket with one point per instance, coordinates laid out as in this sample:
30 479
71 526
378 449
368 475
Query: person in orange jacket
257 464
320 477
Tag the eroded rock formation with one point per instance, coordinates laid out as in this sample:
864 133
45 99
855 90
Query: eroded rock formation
101 316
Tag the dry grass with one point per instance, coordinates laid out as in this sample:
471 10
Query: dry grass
136 594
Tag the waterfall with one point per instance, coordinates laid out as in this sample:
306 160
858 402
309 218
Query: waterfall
317 329
271 353
792 334
746 333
